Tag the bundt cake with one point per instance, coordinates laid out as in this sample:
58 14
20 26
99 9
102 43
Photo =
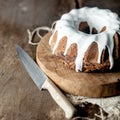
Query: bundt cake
87 39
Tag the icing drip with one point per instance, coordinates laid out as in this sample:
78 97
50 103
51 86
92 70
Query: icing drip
96 18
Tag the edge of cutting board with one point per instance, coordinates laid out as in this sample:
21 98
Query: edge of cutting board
77 83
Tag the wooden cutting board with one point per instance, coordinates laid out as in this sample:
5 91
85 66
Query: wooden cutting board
76 83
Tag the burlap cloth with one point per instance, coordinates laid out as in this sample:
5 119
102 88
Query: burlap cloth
109 105
109 108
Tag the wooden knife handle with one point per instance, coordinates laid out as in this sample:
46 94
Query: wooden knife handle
59 98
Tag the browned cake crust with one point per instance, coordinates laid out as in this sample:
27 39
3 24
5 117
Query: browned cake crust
91 56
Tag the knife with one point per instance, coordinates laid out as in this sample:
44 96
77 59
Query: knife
42 81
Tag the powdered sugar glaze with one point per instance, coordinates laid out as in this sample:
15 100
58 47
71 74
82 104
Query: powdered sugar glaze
98 18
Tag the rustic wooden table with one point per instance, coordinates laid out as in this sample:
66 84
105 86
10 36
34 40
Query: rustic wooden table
20 99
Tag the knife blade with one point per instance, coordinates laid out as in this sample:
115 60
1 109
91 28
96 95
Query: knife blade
42 81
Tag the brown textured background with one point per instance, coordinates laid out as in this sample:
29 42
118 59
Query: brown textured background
19 97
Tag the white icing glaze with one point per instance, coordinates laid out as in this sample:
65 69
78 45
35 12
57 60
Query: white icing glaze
98 18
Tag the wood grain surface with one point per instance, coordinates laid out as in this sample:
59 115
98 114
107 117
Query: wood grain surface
19 97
